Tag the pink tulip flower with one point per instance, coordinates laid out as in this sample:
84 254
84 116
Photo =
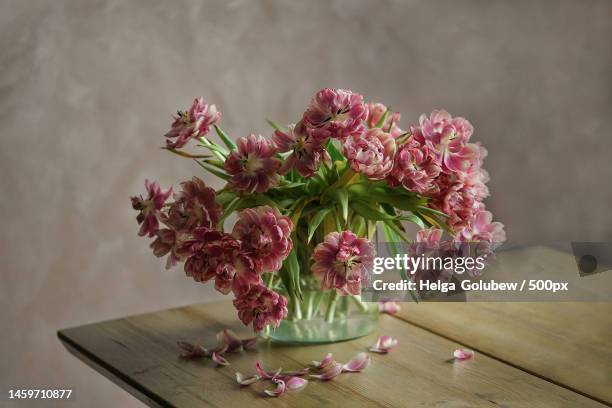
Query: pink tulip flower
192 123
253 165
342 261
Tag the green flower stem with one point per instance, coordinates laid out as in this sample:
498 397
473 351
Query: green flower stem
331 307
362 306
318 297
207 143
344 305
297 310
310 301
268 280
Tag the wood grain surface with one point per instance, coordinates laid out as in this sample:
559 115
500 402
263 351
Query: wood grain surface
139 354
568 343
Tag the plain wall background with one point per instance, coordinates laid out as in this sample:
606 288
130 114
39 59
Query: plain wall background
87 89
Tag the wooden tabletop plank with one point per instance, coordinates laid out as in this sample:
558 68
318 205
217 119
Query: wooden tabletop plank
140 354
569 343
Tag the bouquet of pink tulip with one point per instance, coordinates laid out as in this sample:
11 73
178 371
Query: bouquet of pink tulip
309 199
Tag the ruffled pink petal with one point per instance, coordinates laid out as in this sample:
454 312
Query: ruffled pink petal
389 307
333 371
246 380
266 374
357 364
232 341
296 383
219 359
324 363
279 390
384 344
190 350
250 344
220 349
463 354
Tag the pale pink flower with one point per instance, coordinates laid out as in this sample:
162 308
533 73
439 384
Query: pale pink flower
307 150
261 307
375 113
195 206
253 165
431 236
336 113
448 138
342 261
191 124
150 208
265 235
481 228
218 255
440 119
427 242
414 168
370 153
456 199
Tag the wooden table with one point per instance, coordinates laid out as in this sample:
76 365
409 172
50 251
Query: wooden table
527 355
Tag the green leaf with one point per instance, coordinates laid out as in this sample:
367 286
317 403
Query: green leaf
358 225
217 163
397 230
262 199
395 248
370 212
316 221
285 202
412 218
337 221
221 174
225 196
390 126
400 199
343 197
290 186
230 208
275 125
422 208
225 139
219 151
383 118
333 151
291 275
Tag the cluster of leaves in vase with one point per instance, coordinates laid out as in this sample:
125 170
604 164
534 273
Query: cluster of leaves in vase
310 198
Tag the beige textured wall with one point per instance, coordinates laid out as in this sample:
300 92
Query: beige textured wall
87 89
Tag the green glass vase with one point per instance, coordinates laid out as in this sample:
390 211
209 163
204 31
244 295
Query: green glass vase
325 317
